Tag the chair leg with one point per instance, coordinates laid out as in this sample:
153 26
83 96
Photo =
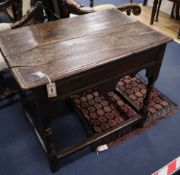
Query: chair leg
177 11
145 2
178 34
154 8
157 13
91 3
172 11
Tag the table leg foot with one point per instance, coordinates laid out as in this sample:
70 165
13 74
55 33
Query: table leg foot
53 163
51 152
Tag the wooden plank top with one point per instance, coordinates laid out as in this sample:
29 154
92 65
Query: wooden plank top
68 47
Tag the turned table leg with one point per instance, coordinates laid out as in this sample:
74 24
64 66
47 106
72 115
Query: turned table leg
146 101
42 124
152 73
44 120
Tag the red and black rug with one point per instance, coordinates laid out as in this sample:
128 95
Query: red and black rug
100 112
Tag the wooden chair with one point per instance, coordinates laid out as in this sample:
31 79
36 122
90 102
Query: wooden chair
57 9
23 12
175 9
24 16
174 12
156 8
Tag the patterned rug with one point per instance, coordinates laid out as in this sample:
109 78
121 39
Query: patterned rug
100 112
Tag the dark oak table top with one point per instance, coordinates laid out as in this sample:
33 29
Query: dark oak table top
68 47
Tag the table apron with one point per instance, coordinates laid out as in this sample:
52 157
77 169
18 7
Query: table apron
108 74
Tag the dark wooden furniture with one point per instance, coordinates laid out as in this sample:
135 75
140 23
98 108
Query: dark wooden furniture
56 9
15 6
156 9
91 3
34 14
95 52
175 9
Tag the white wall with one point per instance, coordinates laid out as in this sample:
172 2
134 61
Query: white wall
166 6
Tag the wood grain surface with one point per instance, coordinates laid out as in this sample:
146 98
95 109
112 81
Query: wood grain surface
68 47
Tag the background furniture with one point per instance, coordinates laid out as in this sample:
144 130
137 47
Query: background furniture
57 9
23 13
156 9
16 8
175 9
35 12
